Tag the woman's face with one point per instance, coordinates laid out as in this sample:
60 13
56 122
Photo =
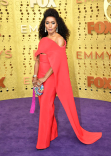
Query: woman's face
51 24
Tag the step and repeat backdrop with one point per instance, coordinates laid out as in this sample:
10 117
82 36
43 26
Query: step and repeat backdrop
88 50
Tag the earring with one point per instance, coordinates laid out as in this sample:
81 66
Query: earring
57 29
45 29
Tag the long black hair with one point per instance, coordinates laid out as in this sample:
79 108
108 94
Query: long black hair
62 28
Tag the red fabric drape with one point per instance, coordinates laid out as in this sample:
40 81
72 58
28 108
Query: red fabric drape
58 61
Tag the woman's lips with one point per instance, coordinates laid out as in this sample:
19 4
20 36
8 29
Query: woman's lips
50 29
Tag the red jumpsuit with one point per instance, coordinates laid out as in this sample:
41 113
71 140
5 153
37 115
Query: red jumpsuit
58 82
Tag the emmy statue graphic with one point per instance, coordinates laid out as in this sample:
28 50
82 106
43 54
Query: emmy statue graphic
106 4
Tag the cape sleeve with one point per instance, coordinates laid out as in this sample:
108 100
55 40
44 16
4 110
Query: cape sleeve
59 64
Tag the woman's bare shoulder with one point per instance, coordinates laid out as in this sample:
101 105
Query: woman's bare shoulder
60 41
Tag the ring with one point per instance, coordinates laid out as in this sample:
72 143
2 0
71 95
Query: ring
38 83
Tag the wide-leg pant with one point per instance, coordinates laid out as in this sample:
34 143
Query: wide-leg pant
47 130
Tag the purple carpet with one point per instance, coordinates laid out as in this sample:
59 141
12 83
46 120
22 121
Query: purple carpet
19 129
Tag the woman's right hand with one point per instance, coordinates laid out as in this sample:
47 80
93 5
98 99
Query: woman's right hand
36 82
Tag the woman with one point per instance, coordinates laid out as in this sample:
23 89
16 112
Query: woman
51 70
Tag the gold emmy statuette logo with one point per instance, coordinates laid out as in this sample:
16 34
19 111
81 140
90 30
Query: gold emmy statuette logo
106 4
